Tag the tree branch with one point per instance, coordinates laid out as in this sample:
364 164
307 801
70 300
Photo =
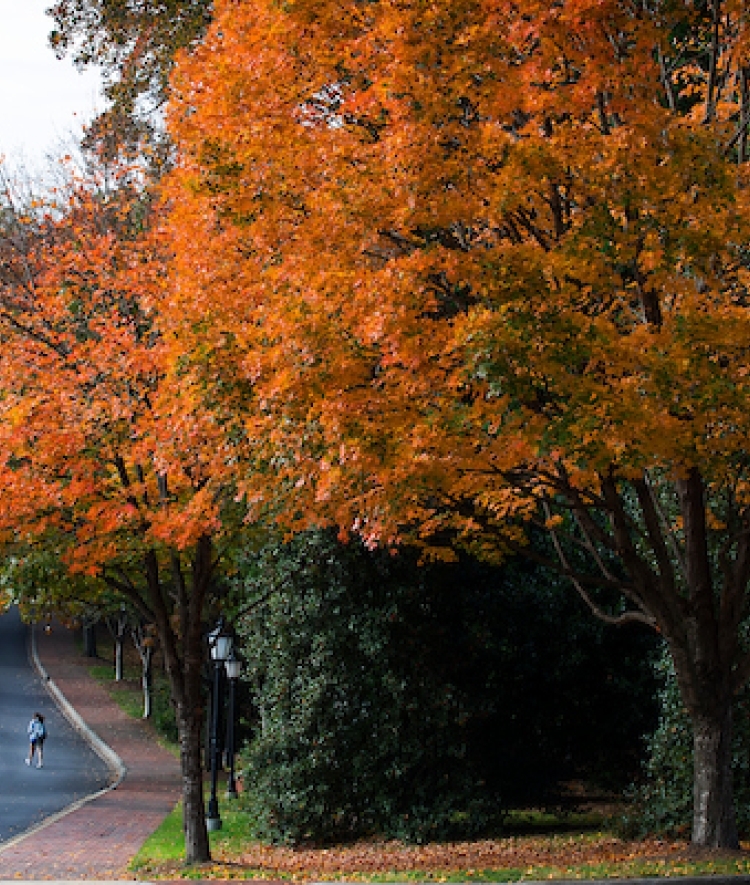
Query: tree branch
617 620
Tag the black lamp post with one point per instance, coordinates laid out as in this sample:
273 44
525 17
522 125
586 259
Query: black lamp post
233 666
220 645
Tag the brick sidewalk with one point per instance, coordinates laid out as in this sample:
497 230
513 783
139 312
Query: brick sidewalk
98 840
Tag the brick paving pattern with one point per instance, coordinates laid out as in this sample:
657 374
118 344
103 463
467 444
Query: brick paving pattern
98 840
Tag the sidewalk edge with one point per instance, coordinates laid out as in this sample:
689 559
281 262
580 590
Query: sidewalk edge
102 749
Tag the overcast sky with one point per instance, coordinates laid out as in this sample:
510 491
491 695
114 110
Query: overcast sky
41 99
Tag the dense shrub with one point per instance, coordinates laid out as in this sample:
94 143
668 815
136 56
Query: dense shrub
350 739
421 702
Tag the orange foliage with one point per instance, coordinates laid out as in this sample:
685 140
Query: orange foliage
459 251
521 852
534 857
86 442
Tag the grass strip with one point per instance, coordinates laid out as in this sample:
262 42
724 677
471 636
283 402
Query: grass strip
162 856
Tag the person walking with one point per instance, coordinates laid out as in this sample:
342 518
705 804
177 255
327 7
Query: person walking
37 733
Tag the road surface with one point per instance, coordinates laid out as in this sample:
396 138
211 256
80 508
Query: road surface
71 768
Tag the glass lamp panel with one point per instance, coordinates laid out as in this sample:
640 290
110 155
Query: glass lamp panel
233 666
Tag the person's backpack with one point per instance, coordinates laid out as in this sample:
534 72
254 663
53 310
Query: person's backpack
38 731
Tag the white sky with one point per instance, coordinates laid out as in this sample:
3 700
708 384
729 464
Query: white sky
42 100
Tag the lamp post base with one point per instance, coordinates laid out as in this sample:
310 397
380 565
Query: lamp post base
213 824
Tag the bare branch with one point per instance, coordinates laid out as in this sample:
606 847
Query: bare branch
617 620
666 80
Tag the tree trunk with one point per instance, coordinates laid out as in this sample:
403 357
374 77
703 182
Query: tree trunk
120 628
118 657
709 703
694 590
180 633
89 640
714 822
147 681
197 849
184 654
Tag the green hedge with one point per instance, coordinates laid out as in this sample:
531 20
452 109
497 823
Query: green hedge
423 702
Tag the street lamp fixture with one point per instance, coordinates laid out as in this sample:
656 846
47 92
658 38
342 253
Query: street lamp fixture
220 644
233 665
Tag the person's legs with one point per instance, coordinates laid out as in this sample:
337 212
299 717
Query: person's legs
39 752
30 757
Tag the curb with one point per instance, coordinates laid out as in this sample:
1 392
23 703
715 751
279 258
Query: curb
102 750
115 764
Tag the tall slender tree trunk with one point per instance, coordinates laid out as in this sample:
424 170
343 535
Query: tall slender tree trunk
714 820
147 679
197 849
121 627
187 689
119 644
89 640
184 652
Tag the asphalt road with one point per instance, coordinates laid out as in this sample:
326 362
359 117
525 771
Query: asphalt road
71 768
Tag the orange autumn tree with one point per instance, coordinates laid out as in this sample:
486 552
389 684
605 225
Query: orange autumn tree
477 264
96 478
